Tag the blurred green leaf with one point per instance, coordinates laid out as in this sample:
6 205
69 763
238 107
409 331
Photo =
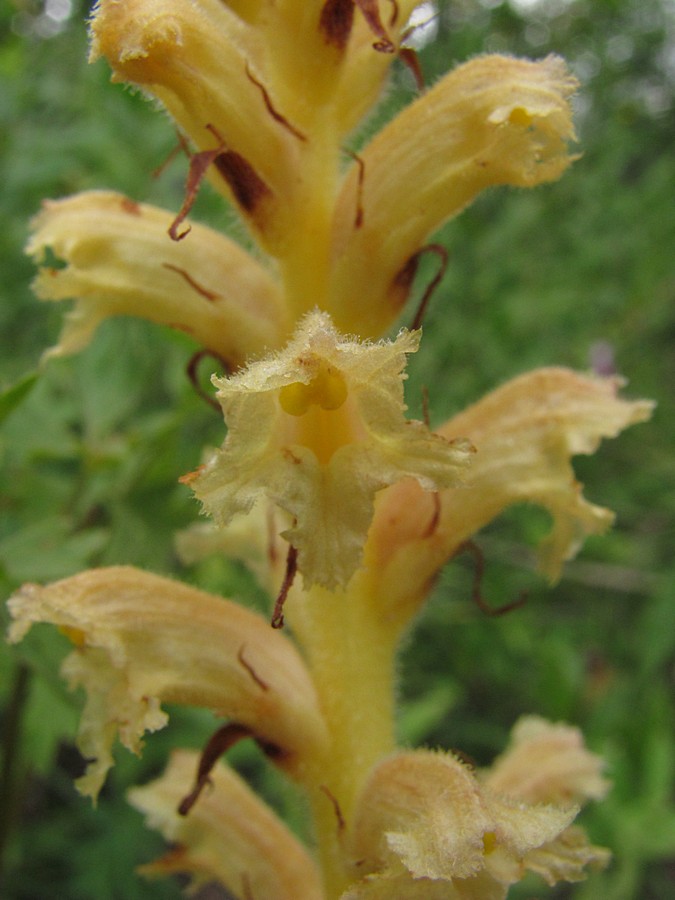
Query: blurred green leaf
14 395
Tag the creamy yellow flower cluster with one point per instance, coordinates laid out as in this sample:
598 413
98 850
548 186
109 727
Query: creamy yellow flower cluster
319 467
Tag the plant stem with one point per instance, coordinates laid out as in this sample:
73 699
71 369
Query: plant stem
351 655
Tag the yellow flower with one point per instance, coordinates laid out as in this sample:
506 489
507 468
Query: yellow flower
494 120
268 95
141 640
426 822
425 826
525 434
120 260
230 837
319 429
547 763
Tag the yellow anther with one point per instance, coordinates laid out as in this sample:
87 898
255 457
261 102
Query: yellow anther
75 635
520 116
327 389
331 388
489 841
295 398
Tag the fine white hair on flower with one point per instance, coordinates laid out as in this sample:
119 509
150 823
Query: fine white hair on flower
319 428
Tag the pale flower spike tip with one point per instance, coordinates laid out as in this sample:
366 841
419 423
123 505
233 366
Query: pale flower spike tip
320 467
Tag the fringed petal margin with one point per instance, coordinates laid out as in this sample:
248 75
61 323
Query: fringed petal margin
120 260
425 817
547 763
319 428
525 434
142 640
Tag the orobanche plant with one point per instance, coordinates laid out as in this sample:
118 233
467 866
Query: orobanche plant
345 509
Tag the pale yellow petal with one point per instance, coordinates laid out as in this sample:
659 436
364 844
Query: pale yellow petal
494 120
547 763
424 809
428 812
525 434
321 64
142 640
120 260
230 836
364 69
520 828
567 857
248 10
319 428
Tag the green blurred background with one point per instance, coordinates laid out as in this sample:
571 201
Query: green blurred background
576 273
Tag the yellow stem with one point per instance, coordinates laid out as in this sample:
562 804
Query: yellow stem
351 654
350 651
305 263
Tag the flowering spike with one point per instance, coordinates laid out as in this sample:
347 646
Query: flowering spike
319 464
